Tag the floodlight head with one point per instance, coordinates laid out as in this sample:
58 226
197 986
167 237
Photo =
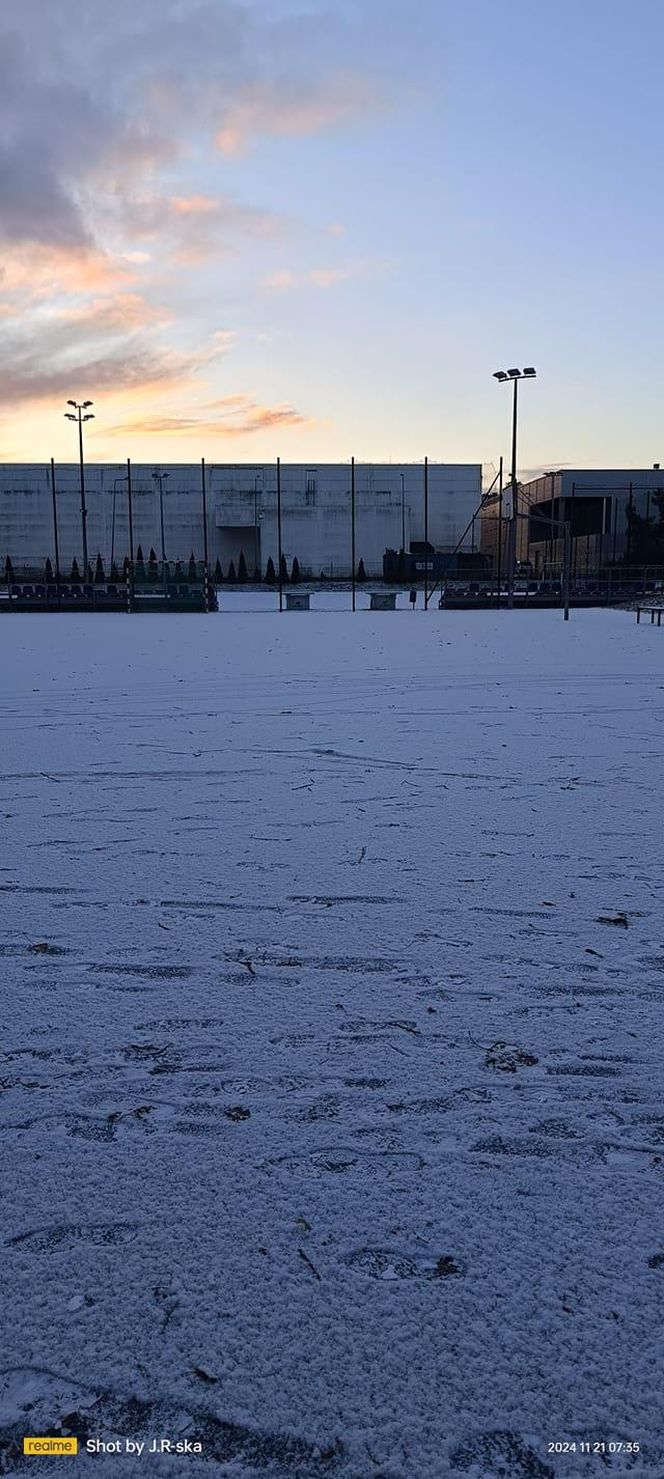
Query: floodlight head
499 375
86 404
68 415
71 403
530 372
88 418
514 374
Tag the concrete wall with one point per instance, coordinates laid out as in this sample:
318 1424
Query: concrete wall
241 512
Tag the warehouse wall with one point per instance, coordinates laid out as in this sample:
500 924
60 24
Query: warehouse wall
241 512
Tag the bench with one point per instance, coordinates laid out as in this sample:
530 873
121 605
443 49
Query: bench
656 614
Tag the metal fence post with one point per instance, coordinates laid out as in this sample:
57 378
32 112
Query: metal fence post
352 526
130 510
566 567
281 576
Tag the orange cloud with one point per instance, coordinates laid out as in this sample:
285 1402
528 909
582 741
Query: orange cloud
279 281
276 111
126 311
237 415
38 272
191 228
319 277
194 205
326 277
102 350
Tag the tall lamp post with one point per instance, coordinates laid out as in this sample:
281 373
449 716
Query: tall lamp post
505 376
257 479
79 409
123 479
158 477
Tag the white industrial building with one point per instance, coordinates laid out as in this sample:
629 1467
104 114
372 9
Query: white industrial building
241 512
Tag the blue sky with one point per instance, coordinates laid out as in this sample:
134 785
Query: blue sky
316 230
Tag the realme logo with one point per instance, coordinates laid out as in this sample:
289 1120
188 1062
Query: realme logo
50 1445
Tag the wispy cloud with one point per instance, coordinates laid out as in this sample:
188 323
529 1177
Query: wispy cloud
33 272
279 281
104 346
274 110
194 205
204 223
231 416
283 280
328 277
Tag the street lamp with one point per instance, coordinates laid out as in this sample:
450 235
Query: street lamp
257 479
123 479
80 418
159 478
403 513
505 376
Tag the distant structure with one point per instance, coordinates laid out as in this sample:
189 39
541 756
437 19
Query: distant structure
241 505
597 503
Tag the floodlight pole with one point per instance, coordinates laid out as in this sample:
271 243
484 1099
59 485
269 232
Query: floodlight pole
426 533
84 511
503 376
515 499
79 408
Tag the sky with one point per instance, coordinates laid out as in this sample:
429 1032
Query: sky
314 230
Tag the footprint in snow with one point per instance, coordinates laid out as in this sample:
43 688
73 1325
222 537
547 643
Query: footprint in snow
505 1058
391 1267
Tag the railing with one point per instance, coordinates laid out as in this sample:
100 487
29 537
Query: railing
140 587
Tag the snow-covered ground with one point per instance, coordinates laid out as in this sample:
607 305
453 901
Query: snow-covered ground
330 1085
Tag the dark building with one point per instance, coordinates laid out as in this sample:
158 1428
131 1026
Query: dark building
596 502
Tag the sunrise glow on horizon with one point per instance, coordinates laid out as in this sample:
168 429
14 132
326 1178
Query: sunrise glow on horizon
315 230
